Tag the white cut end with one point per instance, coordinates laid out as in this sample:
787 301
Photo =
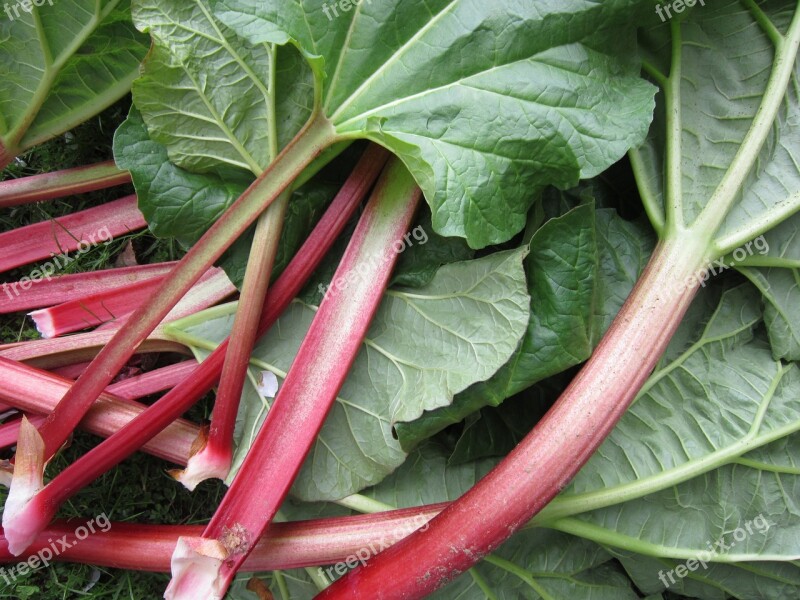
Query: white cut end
23 518
206 464
196 564
44 323
267 384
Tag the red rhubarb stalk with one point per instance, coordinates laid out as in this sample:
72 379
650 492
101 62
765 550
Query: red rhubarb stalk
116 305
9 432
558 446
215 457
288 546
58 184
36 514
203 567
50 240
69 350
132 388
34 391
65 288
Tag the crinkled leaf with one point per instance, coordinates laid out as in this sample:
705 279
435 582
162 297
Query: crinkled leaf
715 581
61 63
483 101
208 98
721 90
781 291
580 271
424 346
175 202
671 476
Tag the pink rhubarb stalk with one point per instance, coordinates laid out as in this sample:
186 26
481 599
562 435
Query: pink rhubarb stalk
288 545
65 351
77 231
551 454
58 184
20 295
34 391
116 305
203 567
36 514
213 461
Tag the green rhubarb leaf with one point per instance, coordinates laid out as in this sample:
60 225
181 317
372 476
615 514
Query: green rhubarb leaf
714 581
723 176
211 100
781 292
176 202
581 268
420 351
483 102
60 64
675 473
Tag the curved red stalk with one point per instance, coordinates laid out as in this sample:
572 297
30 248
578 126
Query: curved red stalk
550 455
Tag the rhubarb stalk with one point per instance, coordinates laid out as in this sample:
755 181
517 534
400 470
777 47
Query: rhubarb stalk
288 546
65 288
215 457
114 306
58 184
553 452
203 567
77 231
35 515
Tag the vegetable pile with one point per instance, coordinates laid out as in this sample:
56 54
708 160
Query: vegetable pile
516 297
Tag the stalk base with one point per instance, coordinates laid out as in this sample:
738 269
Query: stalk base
196 565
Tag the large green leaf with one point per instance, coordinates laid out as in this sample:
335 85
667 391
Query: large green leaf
675 472
581 268
424 346
719 91
211 100
483 101
60 64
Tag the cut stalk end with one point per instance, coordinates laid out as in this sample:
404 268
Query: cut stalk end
23 517
43 320
196 570
207 462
